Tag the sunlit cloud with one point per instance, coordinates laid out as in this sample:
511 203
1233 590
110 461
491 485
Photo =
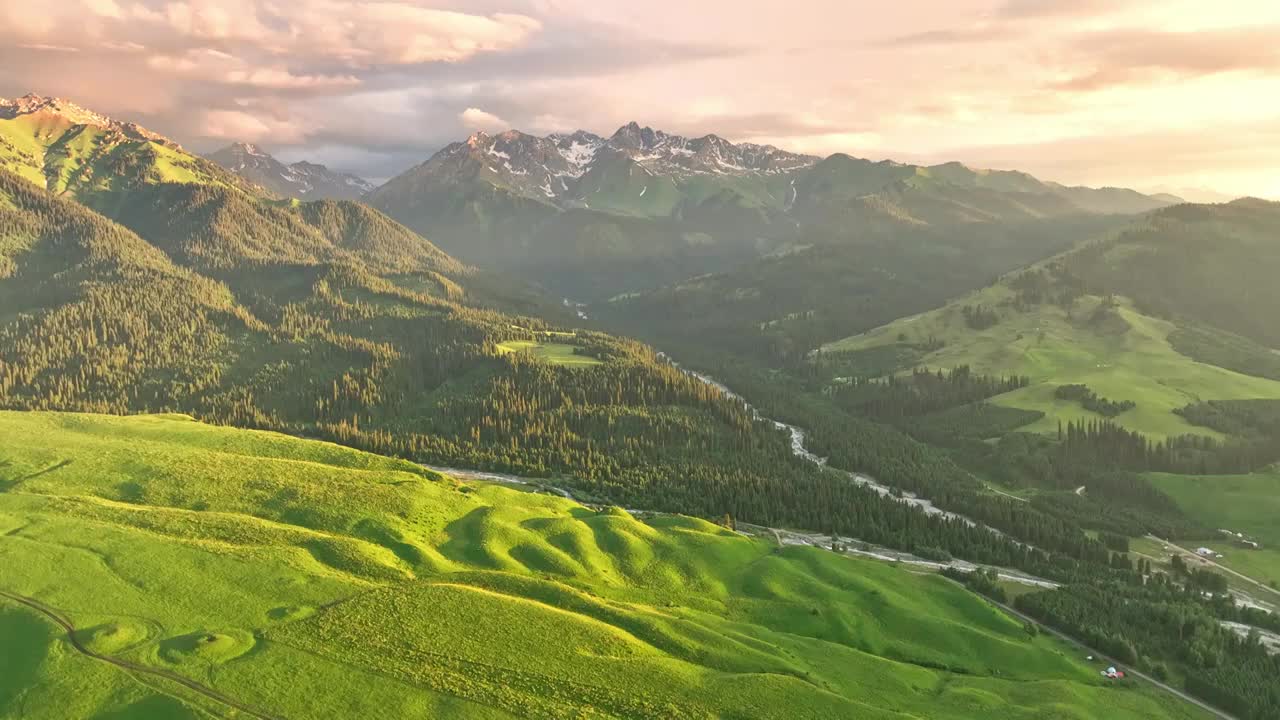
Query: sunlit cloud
477 119
1059 88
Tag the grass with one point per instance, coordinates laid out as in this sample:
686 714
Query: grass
554 353
310 580
85 161
1241 503
1128 360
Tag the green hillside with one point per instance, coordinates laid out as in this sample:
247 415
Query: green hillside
225 556
200 214
1118 352
72 151
1241 503
1167 313
831 284
1213 264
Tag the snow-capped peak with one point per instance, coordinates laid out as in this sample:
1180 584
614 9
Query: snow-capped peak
301 179
554 168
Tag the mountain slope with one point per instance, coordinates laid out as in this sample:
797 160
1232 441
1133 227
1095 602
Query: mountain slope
77 290
301 180
1146 315
777 309
202 215
507 603
70 150
1215 264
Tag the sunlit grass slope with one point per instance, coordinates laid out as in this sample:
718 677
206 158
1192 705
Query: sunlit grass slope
86 161
1129 360
308 580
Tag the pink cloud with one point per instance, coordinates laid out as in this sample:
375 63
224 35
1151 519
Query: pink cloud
249 127
477 119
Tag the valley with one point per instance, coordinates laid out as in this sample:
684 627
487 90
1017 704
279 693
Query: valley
276 443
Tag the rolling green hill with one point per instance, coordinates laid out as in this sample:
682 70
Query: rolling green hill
301 579
1212 264
1146 315
1118 352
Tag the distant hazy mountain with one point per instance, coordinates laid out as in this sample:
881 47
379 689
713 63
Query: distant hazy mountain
1194 194
594 217
302 180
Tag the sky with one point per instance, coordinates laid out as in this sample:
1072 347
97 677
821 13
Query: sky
1176 95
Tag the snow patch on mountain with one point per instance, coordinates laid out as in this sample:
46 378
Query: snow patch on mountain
559 167
303 180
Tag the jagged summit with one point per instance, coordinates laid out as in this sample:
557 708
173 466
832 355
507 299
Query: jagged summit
303 180
248 149
33 104
551 167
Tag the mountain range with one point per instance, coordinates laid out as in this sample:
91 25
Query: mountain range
593 217
302 180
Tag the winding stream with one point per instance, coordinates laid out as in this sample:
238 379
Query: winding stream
799 450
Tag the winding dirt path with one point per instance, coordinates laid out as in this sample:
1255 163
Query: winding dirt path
188 683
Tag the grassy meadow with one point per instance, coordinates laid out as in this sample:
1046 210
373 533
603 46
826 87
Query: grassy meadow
1125 359
1241 503
552 352
303 579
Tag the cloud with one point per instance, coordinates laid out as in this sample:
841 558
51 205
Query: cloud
477 119
1024 83
1039 9
1126 56
981 33
47 47
103 8
223 68
249 127
353 33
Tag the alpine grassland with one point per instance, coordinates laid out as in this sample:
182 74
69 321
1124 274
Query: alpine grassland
206 571
1104 343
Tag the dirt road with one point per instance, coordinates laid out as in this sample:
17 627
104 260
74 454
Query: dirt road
1110 661
192 685
1210 561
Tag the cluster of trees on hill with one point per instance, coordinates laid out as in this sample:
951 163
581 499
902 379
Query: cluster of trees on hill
921 393
980 317
1092 401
